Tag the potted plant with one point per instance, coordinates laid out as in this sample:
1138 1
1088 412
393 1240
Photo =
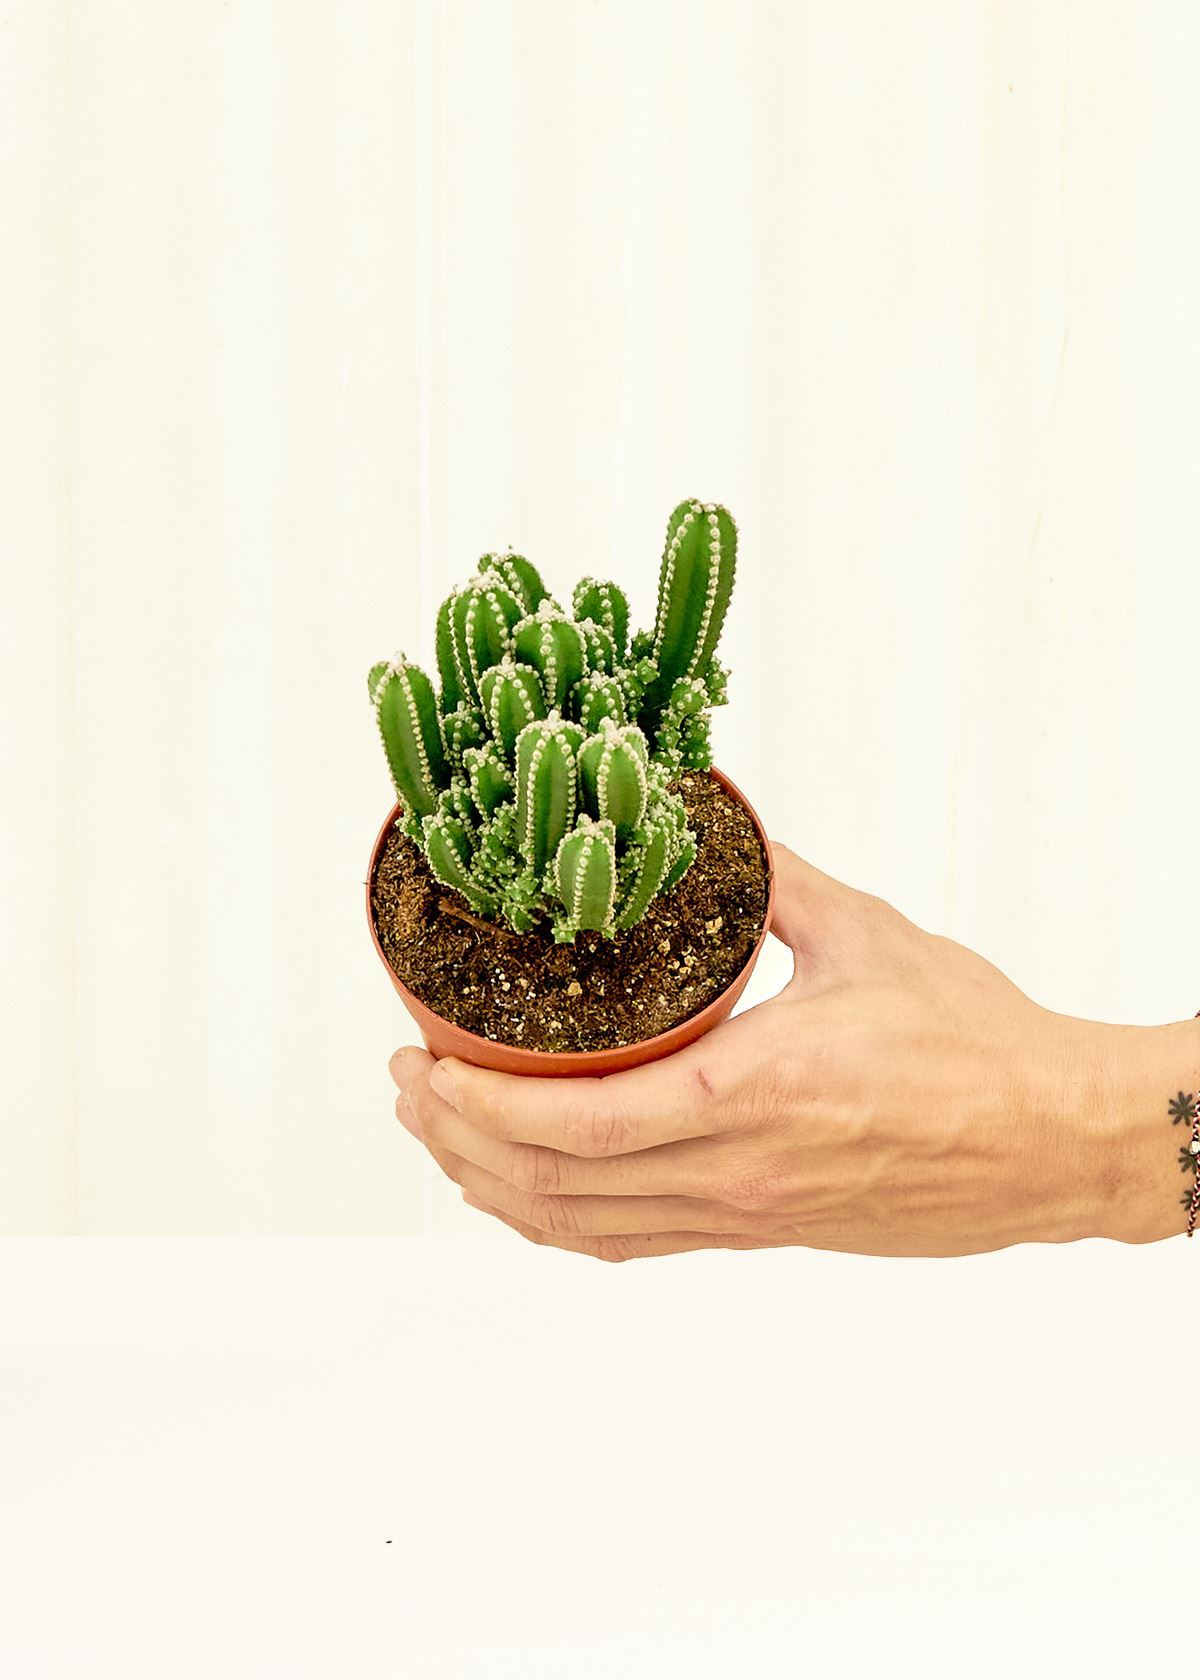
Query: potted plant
566 885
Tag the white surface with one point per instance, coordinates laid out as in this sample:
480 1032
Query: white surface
306 305
711 1465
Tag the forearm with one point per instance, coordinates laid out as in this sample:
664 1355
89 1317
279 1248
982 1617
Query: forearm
1129 1076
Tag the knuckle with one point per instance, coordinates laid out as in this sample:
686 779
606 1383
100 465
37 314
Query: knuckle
537 1171
752 1189
599 1126
552 1214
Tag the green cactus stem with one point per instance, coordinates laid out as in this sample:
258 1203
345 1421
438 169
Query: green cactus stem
585 875
595 698
452 692
598 649
483 616
407 714
511 696
695 582
684 858
554 646
648 876
682 735
547 792
605 604
450 849
519 576
612 775
488 777
462 729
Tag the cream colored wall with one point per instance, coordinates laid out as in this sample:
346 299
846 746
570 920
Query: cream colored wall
307 305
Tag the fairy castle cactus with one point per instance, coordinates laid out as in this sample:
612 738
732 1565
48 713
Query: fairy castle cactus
539 775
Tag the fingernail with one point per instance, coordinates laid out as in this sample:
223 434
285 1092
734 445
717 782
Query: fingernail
406 1117
441 1080
397 1070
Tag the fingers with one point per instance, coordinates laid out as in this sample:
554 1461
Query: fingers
688 1169
616 1248
588 1216
693 1094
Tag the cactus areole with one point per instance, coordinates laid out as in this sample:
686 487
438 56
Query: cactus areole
538 768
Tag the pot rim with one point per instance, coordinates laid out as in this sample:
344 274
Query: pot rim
521 1059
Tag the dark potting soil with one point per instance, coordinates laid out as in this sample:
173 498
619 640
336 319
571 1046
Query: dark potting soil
597 993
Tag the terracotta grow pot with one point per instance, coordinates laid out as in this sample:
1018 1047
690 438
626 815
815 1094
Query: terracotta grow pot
443 1038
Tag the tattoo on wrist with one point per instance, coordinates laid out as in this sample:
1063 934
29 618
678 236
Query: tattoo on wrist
1185 1107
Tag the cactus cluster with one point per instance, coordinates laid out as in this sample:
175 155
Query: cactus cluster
539 774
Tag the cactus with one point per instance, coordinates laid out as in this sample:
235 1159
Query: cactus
462 729
585 873
695 582
482 617
412 738
511 696
518 576
450 851
599 650
452 694
596 697
651 863
613 776
488 778
606 606
540 778
547 786
555 646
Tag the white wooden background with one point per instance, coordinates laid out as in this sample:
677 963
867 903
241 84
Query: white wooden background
303 306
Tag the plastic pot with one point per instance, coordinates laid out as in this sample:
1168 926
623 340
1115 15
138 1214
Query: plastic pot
443 1038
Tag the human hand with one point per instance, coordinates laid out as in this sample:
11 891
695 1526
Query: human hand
899 1096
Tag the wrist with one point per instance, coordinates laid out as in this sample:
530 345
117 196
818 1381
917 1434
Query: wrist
1129 1076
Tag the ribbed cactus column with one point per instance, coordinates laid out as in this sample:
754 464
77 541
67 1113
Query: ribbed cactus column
483 616
605 604
487 777
407 714
511 696
554 646
453 693
695 583
613 775
518 575
450 850
462 729
585 874
651 870
547 793
599 651
598 697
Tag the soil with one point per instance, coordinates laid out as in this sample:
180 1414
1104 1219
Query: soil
597 993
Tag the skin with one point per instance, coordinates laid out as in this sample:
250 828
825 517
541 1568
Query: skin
899 1096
